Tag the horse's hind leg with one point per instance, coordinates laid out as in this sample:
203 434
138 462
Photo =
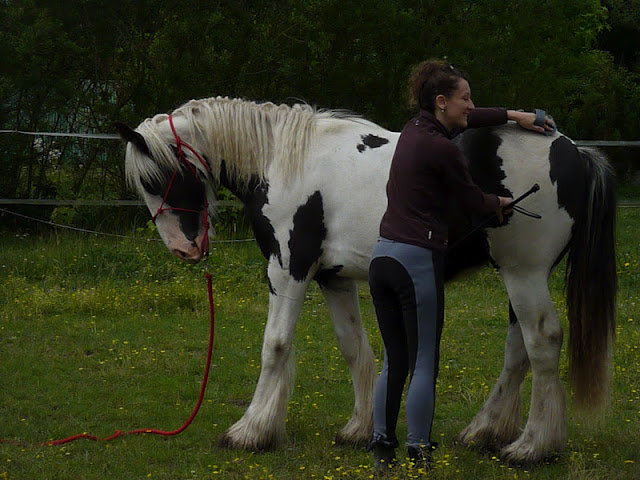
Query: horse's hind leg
499 421
546 428
341 296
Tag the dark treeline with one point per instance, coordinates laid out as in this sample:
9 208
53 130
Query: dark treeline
79 65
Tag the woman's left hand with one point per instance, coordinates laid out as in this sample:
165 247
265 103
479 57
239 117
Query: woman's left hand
526 119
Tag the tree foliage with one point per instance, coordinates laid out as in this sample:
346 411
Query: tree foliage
79 66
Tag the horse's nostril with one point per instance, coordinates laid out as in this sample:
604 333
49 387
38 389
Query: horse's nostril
180 253
191 256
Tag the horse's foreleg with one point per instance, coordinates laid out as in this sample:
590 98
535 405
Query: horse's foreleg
341 296
498 422
546 428
263 425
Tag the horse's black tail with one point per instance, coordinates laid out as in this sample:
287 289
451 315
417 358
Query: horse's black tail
592 283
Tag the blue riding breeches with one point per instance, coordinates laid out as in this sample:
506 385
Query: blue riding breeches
407 287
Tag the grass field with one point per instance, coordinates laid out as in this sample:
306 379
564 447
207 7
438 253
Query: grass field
101 334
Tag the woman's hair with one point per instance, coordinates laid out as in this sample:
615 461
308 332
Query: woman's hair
430 79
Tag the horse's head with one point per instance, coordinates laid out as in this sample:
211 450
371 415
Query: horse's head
172 185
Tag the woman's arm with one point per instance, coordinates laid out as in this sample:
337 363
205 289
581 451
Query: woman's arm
526 119
487 117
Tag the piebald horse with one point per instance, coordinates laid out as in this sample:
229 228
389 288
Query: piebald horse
313 186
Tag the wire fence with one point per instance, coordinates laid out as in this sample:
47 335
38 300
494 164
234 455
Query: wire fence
98 136
221 203
606 143
95 203
102 234
109 136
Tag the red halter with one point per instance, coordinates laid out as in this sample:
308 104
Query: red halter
182 158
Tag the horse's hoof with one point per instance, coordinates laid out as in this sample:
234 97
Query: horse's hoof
481 440
356 433
230 442
355 441
521 454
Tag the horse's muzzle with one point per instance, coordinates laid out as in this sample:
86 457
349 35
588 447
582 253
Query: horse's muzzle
192 255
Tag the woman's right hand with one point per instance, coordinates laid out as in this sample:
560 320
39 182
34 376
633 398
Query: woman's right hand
501 212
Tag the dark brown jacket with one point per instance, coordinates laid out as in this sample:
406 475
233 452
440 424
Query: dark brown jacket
427 168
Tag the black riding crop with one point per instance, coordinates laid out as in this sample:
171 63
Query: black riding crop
488 220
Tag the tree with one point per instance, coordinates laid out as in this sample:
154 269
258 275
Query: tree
79 66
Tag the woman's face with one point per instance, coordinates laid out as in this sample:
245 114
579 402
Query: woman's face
457 107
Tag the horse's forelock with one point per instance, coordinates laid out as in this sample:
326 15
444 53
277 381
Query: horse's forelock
143 168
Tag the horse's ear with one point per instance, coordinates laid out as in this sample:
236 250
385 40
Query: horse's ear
129 135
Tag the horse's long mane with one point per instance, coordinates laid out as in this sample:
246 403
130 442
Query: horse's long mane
248 136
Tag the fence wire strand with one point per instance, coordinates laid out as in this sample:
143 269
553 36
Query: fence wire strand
104 234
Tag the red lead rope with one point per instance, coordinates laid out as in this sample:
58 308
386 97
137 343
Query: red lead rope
203 387
205 251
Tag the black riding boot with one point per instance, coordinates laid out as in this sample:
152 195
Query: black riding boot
422 456
384 455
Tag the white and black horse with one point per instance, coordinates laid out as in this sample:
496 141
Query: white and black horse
313 184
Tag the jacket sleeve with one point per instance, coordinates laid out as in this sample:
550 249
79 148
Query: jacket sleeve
487 117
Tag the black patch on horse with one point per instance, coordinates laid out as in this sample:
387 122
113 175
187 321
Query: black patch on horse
567 169
371 141
305 240
480 147
254 196
473 251
271 288
513 319
185 191
326 276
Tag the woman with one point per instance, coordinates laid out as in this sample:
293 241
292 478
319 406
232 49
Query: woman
406 269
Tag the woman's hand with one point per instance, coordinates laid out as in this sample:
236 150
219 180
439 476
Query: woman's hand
501 212
526 119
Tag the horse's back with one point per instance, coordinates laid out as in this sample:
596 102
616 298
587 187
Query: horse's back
508 161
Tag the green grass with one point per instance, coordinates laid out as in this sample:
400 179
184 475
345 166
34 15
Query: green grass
100 334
